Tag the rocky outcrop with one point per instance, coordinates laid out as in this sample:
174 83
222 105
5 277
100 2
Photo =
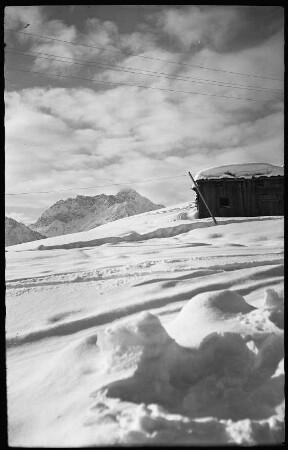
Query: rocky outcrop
17 233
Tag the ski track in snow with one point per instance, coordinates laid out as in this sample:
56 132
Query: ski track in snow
148 336
270 273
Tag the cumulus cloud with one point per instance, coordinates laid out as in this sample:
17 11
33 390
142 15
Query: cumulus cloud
59 138
220 28
58 56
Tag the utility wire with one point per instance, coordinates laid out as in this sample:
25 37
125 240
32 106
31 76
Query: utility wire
140 56
149 73
142 87
101 185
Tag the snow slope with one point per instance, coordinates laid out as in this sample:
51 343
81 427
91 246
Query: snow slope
154 329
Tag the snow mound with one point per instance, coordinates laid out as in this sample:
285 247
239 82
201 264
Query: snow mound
274 302
188 393
184 215
68 367
273 299
240 171
221 302
209 312
134 383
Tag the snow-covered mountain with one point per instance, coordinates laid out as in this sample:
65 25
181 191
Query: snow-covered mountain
84 213
17 233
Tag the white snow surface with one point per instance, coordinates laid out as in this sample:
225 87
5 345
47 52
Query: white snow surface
154 329
251 170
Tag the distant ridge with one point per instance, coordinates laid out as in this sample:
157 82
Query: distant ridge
17 233
84 213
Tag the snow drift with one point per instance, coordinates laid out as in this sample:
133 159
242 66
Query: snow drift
158 337
186 388
228 387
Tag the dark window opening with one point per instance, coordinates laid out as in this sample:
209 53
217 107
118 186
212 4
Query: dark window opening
224 202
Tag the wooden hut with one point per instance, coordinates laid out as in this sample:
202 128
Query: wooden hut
241 190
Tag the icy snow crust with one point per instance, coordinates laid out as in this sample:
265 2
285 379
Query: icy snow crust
252 170
154 329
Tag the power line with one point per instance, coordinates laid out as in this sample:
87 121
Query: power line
141 56
141 86
139 71
101 185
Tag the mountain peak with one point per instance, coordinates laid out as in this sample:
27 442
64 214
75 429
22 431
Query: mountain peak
84 212
17 232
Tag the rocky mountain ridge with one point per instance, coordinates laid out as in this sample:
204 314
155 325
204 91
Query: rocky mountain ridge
83 213
17 232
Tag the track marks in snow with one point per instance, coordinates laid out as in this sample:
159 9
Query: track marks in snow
213 269
146 268
244 281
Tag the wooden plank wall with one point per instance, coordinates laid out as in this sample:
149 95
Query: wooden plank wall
247 197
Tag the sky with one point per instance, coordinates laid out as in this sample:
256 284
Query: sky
122 94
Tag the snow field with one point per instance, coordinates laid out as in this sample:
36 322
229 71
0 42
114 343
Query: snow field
176 339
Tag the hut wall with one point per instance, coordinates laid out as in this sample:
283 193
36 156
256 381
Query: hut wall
261 196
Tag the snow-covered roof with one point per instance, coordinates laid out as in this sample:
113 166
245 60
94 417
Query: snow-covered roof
250 170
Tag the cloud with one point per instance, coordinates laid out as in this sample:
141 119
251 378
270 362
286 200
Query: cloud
79 136
20 217
95 36
220 28
19 16
63 138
